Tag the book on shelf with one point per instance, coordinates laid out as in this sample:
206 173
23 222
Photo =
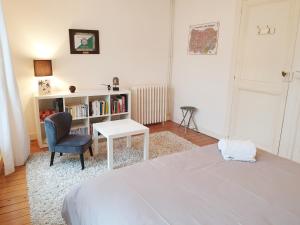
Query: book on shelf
79 131
119 104
78 111
98 107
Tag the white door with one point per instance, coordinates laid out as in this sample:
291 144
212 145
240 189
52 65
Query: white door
290 139
266 48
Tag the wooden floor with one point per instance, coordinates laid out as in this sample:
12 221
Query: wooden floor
14 207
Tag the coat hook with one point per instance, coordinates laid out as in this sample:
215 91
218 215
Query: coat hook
259 30
265 30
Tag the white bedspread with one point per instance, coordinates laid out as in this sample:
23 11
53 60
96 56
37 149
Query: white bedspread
194 187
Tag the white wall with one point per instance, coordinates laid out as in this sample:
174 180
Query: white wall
134 42
204 81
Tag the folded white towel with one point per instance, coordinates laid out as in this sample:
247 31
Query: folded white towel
237 150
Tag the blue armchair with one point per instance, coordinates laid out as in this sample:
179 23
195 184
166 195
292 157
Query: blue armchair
57 127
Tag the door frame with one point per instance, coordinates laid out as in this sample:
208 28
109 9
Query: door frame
237 52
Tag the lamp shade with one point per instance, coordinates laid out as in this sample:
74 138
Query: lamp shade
42 68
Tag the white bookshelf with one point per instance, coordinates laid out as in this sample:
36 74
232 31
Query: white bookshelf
46 102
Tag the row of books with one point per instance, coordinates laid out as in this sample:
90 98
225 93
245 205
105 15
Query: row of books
80 131
98 108
78 111
119 104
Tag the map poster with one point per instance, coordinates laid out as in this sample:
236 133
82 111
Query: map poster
203 39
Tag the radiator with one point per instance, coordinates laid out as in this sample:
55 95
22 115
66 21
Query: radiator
149 104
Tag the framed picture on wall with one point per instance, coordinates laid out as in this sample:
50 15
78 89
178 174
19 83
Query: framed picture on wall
84 41
203 39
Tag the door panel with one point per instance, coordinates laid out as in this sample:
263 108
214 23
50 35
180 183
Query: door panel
255 128
267 37
290 139
261 51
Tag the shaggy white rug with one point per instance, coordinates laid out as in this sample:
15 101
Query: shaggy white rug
47 186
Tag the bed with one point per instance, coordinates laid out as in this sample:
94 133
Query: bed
187 188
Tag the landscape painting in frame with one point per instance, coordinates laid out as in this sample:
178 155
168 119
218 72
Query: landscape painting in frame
84 41
203 39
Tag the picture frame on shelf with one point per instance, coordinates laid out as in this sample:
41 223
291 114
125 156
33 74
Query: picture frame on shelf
84 41
44 87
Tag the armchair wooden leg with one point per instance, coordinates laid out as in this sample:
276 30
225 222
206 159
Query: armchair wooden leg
91 151
52 158
82 161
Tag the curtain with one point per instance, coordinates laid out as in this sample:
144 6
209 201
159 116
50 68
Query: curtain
14 140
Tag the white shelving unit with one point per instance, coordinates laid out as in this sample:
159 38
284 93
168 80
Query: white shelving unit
66 99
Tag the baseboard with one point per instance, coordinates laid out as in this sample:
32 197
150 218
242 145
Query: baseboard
210 133
207 132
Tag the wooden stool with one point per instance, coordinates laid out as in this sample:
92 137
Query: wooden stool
185 111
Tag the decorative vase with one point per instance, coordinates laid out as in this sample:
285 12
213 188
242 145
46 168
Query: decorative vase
72 89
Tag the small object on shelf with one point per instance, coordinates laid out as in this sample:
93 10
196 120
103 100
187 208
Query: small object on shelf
72 89
108 86
44 87
116 84
45 113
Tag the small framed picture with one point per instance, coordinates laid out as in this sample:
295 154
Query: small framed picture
44 87
84 41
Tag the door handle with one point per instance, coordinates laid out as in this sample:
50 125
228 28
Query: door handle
284 73
286 76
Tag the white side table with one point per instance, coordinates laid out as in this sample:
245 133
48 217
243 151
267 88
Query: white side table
117 129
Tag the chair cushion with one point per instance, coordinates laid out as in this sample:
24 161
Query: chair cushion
74 144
